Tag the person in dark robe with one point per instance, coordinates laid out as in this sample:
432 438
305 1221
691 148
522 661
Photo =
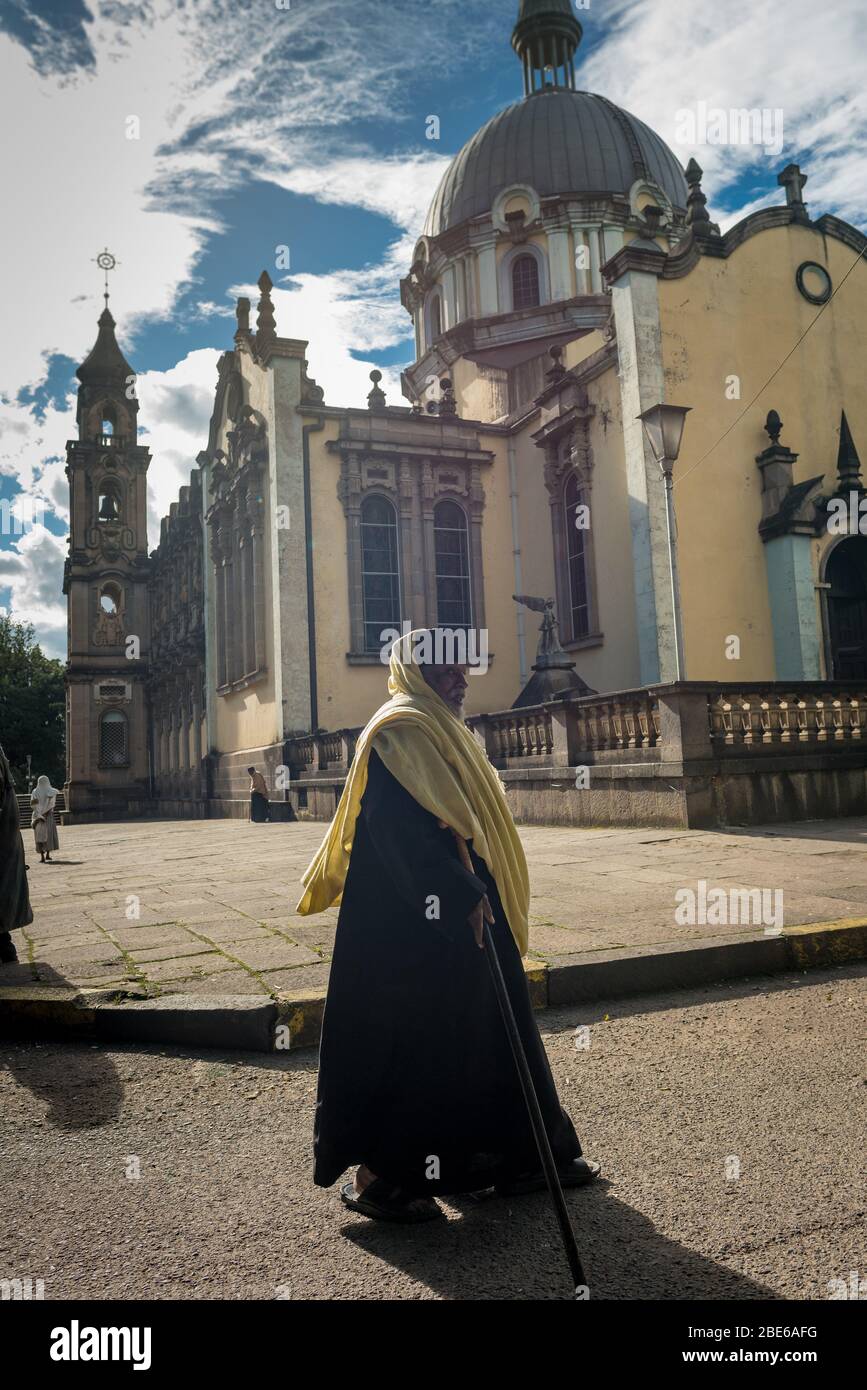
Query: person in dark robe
260 806
417 1083
15 910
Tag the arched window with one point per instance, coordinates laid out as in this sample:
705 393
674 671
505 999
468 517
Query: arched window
436 317
380 574
433 317
452 562
108 423
113 740
525 282
576 554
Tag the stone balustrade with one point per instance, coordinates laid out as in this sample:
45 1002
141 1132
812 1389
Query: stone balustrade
690 754
311 754
593 728
818 715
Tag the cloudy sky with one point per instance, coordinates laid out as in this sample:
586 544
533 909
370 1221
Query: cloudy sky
302 123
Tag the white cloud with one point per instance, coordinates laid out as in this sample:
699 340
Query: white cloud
399 187
803 58
221 93
33 451
33 571
175 409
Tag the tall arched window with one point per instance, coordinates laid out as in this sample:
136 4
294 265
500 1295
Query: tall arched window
576 554
452 561
433 317
525 282
436 317
108 422
113 740
379 570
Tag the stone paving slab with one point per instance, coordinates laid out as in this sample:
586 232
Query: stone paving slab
215 900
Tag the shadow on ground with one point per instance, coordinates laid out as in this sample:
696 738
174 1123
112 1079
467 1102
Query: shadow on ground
512 1250
84 1093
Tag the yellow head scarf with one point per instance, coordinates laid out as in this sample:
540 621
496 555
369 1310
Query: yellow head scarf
439 762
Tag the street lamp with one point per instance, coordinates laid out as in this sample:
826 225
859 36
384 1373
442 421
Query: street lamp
663 425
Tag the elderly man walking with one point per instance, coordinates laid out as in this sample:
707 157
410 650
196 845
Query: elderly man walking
417 1084
260 806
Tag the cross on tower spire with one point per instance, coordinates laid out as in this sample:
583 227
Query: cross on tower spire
106 262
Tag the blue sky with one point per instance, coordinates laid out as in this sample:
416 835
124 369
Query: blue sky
261 126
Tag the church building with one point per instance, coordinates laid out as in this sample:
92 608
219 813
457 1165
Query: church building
568 281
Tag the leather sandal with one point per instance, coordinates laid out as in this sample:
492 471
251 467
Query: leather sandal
383 1201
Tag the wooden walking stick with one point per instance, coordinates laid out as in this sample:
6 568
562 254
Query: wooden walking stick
531 1100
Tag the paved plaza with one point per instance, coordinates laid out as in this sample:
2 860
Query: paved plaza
202 907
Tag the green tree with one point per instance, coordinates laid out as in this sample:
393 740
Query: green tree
32 705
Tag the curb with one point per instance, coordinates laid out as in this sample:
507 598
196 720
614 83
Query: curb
255 1024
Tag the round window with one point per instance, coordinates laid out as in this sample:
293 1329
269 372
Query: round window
814 282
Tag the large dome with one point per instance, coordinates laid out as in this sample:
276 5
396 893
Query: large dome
559 142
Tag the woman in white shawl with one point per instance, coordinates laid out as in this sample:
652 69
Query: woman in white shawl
42 800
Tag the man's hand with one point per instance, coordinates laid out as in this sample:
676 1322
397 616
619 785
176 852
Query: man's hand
480 914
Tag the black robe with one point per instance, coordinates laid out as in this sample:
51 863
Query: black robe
416 1077
14 896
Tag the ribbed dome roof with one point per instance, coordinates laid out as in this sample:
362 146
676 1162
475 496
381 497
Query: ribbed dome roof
557 141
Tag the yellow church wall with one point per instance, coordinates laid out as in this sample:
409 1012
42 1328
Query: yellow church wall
505 244
348 694
498 687
612 664
581 348
740 317
482 394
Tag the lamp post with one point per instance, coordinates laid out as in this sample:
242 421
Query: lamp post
663 425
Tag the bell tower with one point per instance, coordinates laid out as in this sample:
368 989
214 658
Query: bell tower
106 585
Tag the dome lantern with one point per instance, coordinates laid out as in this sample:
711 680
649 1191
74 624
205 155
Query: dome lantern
545 38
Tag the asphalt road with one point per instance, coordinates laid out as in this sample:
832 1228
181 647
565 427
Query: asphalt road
673 1093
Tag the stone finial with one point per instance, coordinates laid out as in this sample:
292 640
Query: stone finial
242 315
773 427
266 324
848 462
376 397
776 466
448 404
697 215
793 181
556 371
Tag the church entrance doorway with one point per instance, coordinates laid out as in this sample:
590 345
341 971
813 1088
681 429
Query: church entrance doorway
846 573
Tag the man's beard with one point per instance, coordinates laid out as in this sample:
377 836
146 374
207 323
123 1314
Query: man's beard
456 707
